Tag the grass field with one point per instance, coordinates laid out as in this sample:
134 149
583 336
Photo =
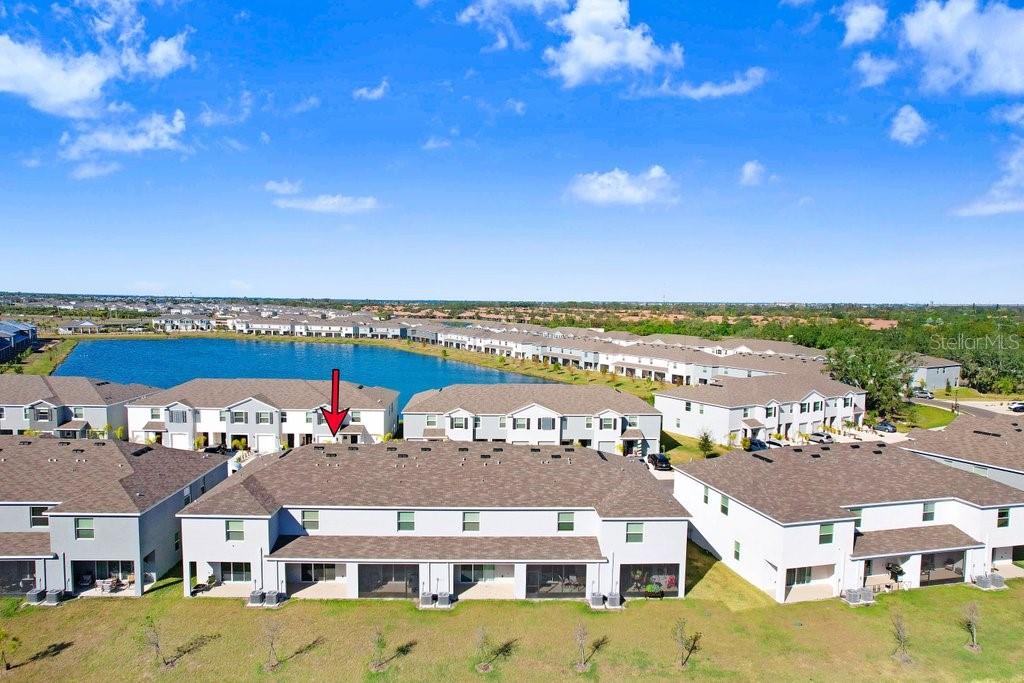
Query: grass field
745 637
928 417
42 363
682 449
968 394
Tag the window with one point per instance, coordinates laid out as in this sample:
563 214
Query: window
458 423
798 576
310 416
284 417
805 407
239 417
84 528
186 495
2 413
1003 518
847 402
406 520
688 406
928 512
154 413
315 571
235 572
546 423
825 534
78 412
634 532
502 422
310 520
475 573
264 418
224 415
356 416
37 516
28 413
817 406
520 423
769 411
607 423
589 423
700 408
735 550
43 414
177 540
234 530
471 521
431 420
869 567
177 416
724 506
632 420
707 493
476 422
566 521
857 515
746 412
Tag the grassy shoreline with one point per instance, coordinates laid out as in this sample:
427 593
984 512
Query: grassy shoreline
643 388
43 362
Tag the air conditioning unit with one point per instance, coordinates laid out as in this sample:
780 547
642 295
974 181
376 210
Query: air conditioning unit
256 599
596 600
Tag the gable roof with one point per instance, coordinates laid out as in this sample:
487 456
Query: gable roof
105 477
285 394
17 390
446 475
996 440
745 391
795 486
502 399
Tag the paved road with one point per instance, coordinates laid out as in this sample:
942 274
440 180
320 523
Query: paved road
966 409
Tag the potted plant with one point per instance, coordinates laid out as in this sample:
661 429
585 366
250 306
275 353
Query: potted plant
653 590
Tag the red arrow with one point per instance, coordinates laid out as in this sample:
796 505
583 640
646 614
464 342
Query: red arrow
334 416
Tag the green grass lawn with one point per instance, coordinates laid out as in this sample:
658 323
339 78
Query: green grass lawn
42 363
745 637
927 417
968 394
682 449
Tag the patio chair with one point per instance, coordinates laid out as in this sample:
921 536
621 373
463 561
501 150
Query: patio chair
131 580
86 581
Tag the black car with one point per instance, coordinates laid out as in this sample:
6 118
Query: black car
659 462
757 445
885 426
216 449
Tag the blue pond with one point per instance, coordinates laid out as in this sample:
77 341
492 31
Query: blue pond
164 364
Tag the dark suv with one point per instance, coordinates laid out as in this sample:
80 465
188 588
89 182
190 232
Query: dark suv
659 462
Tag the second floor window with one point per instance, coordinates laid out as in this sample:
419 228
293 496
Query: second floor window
234 530
310 520
471 521
177 416
607 423
724 506
520 423
406 520
43 414
458 423
431 420
769 411
356 416
858 513
847 402
546 423
239 417
502 422
37 516
476 422
84 528
632 421
78 412
826 532
590 423
1003 518
805 407
566 521
634 532
707 493
928 512
264 418
154 413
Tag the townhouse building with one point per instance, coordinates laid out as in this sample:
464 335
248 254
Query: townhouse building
183 323
404 520
261 415
932 373
15 337
68 407
731 409
804 523
74 515
597 417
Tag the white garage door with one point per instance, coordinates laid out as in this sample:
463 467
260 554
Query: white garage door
180 441
267 443
606 446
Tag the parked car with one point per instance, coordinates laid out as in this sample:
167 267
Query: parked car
216 449
922 393
772 443
659 461
757 445
885 426
820 437
1016 406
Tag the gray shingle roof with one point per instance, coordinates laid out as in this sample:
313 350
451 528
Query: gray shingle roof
292 394
911 540
23 544
746 391
105 477
442 475
798 487
995 440
20 390
501 399
432 548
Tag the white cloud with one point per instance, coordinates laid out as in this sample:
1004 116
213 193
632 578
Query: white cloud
155 132
962 44
1007 194
518 107
91 169
435 142
372 94
329 203
56 84
1012 114
908 126
304 105
234 144
32 162
620 187
741 84
264 137
602 42
752 173
283 186
863 19
795 3
495 16
874 71
120 108
167 55
230 116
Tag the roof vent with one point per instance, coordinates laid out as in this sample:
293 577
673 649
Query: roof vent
463 449
877 452
425 449
826 448
762 458
51 460
798 450
403 455
63 443
331 455
497 449
880 445
78 450
99 443
984 433
353 448
854 446
556 456
535 450
815 455
141 451
24 443
570 449
485 456
318 448
391 448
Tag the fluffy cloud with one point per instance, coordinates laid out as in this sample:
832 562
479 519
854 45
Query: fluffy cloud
306 104
435 142
283 186
874 71
863 19
231 116
1007 194
602 42
620 187
741 84
155 132
961 44
167 55
517 107
1012 114
908 127
372 94
329 203
93 169
495 16
752 173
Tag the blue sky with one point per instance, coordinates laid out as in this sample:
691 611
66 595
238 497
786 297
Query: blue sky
800 150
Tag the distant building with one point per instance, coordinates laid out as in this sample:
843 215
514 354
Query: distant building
15 337
933 373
